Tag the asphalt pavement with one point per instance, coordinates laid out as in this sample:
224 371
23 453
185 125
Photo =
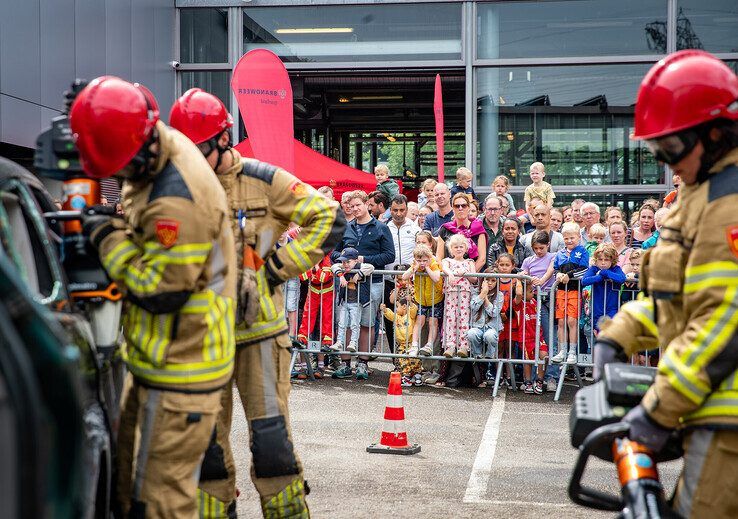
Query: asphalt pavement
503 457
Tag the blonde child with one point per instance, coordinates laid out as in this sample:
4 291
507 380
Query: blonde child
597 235
458 297
605 277
539 187
427 197
428 292
404 321
463 183
570 264
385 184
500 185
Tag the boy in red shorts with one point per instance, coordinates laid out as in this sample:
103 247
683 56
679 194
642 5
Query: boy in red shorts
527 314
570 264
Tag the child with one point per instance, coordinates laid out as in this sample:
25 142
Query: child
539 187
540 268
463 183
512 292
596 236
352 296
428 292
570 264
319 301
458 297
486 323
527 314
605 277
629 289
385 184
500 186
404 321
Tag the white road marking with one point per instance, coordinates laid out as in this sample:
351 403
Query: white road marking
524 503
476 488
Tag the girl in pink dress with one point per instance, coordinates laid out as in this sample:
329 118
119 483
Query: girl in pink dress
457 311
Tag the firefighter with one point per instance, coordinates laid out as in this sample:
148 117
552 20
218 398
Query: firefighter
263 200
319 303
686 113
172 256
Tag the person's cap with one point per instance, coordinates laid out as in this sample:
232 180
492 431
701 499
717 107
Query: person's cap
349 253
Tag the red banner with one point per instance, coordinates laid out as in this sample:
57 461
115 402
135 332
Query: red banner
438 111
264 96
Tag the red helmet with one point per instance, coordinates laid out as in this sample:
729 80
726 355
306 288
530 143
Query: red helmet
683 90
199 115
111 120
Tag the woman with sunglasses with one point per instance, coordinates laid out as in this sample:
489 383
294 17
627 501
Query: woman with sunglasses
686 112
462 224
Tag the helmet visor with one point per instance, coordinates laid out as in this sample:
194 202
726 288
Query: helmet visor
673 148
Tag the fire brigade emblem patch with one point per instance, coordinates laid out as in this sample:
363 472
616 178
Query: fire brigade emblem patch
732 233
167 232
299 189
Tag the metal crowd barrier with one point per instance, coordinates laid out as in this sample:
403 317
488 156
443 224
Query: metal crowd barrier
374 333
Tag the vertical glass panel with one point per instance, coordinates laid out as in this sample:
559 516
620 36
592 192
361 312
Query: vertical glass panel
707 25
217 83
356 32
203 35
571 28
575 119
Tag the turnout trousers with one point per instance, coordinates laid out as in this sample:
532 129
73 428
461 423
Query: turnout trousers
706 487
262 378
162 438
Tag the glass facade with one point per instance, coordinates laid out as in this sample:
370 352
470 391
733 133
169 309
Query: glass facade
551 81
356 32
203 35
570 28
575 119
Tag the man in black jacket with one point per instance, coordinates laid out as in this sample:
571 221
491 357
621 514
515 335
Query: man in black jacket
373 240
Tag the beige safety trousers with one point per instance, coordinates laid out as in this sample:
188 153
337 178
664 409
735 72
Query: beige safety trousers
263 381
162 438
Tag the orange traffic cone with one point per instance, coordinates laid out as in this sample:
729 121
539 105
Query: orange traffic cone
394 437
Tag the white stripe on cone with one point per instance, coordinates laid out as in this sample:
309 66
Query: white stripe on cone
394 426
394 400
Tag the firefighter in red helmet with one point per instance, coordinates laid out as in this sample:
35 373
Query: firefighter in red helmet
686 114
263 200
172 256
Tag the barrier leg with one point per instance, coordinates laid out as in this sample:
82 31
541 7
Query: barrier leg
496 386
293 360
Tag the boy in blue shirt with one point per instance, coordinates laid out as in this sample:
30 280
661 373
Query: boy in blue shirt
570 264
605 277
463 183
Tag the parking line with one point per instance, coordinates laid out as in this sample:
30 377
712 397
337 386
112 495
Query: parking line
476 488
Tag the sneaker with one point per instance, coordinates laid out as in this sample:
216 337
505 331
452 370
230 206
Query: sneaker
406 381
337 346
296 372
528 388
426 350
505 383
559 357
342 372
432 378
413 351
351 347
572 357
462 353
538 387
449 353
319 373
522 386
551 385
362 372
302 374
417 380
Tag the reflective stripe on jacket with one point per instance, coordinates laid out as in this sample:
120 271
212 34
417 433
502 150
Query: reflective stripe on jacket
175 263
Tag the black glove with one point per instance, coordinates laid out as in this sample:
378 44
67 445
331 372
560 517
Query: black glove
604 352
645 430
97 222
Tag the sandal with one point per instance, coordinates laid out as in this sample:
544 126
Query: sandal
440 383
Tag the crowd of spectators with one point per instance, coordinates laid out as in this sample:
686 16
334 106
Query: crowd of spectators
435 304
